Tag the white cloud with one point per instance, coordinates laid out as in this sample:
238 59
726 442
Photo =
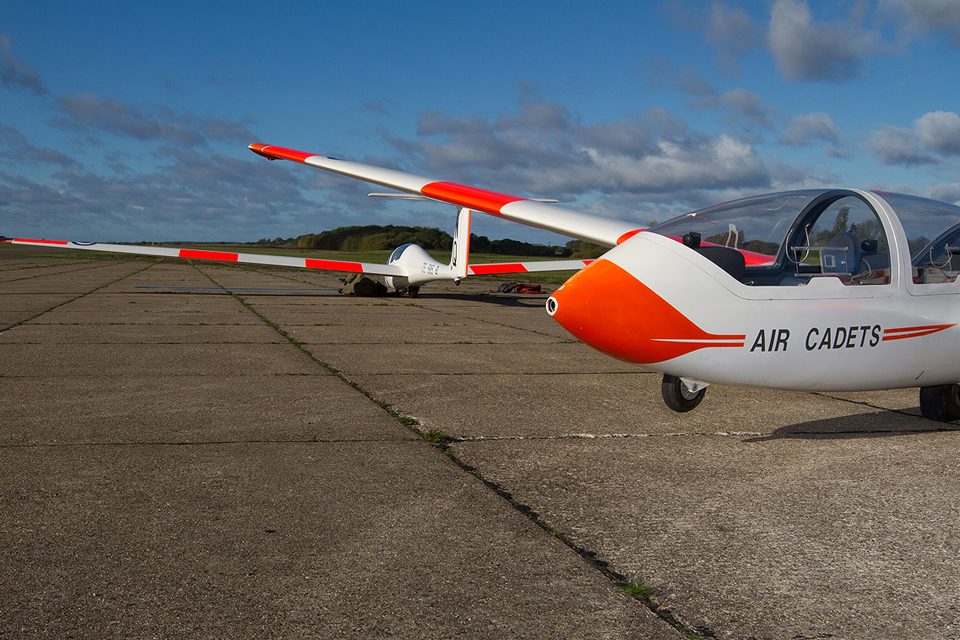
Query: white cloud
731 31
808 50
15 149
934 135
896 145
686 80
86 112
942 192
940 131
717 163
18 74
744 104
374 106
929 15
734 33
546 151
810 128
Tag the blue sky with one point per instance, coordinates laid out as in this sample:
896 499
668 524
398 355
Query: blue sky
124 121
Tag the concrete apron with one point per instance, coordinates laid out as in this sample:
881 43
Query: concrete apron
760 514
171 465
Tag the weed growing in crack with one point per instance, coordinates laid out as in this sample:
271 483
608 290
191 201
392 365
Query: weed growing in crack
638 590
436 436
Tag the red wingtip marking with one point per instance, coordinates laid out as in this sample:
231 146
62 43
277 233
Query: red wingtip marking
489 201
57 242
279 153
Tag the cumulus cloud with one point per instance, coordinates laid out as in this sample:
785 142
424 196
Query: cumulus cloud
545 150
210 192
811 128
18 74
932 137
744 106
375 106
929 15
15 148
686 80
731 31
808 50
710 164
942 192
940 131
896 145
86 112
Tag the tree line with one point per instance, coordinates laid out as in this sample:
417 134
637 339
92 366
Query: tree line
375 237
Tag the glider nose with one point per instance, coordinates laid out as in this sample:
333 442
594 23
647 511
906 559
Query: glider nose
596 306
610 309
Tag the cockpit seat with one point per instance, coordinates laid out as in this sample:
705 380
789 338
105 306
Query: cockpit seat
728 259
845 257
874 262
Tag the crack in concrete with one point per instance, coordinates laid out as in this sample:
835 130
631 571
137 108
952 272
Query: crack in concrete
642 595
209 443
600 436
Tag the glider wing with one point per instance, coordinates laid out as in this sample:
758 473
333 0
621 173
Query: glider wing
607 232
222 256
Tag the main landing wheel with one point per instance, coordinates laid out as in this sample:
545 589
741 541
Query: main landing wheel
413 292
677 396
940 403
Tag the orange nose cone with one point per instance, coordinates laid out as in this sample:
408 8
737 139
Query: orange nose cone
612 311
593 305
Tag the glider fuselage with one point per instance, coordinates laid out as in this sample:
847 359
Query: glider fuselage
655 302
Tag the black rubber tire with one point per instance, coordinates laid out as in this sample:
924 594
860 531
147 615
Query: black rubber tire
413 292
676 395
940 403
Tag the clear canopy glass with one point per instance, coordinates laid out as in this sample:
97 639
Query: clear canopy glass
790 237
758 224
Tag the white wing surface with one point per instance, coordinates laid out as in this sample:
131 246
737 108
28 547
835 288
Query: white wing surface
607 232
222 256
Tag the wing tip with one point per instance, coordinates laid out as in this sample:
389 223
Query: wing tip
260 150
271 152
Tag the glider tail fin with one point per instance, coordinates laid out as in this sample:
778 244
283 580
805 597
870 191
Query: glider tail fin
460 256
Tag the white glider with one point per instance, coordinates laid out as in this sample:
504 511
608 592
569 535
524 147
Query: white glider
830 289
